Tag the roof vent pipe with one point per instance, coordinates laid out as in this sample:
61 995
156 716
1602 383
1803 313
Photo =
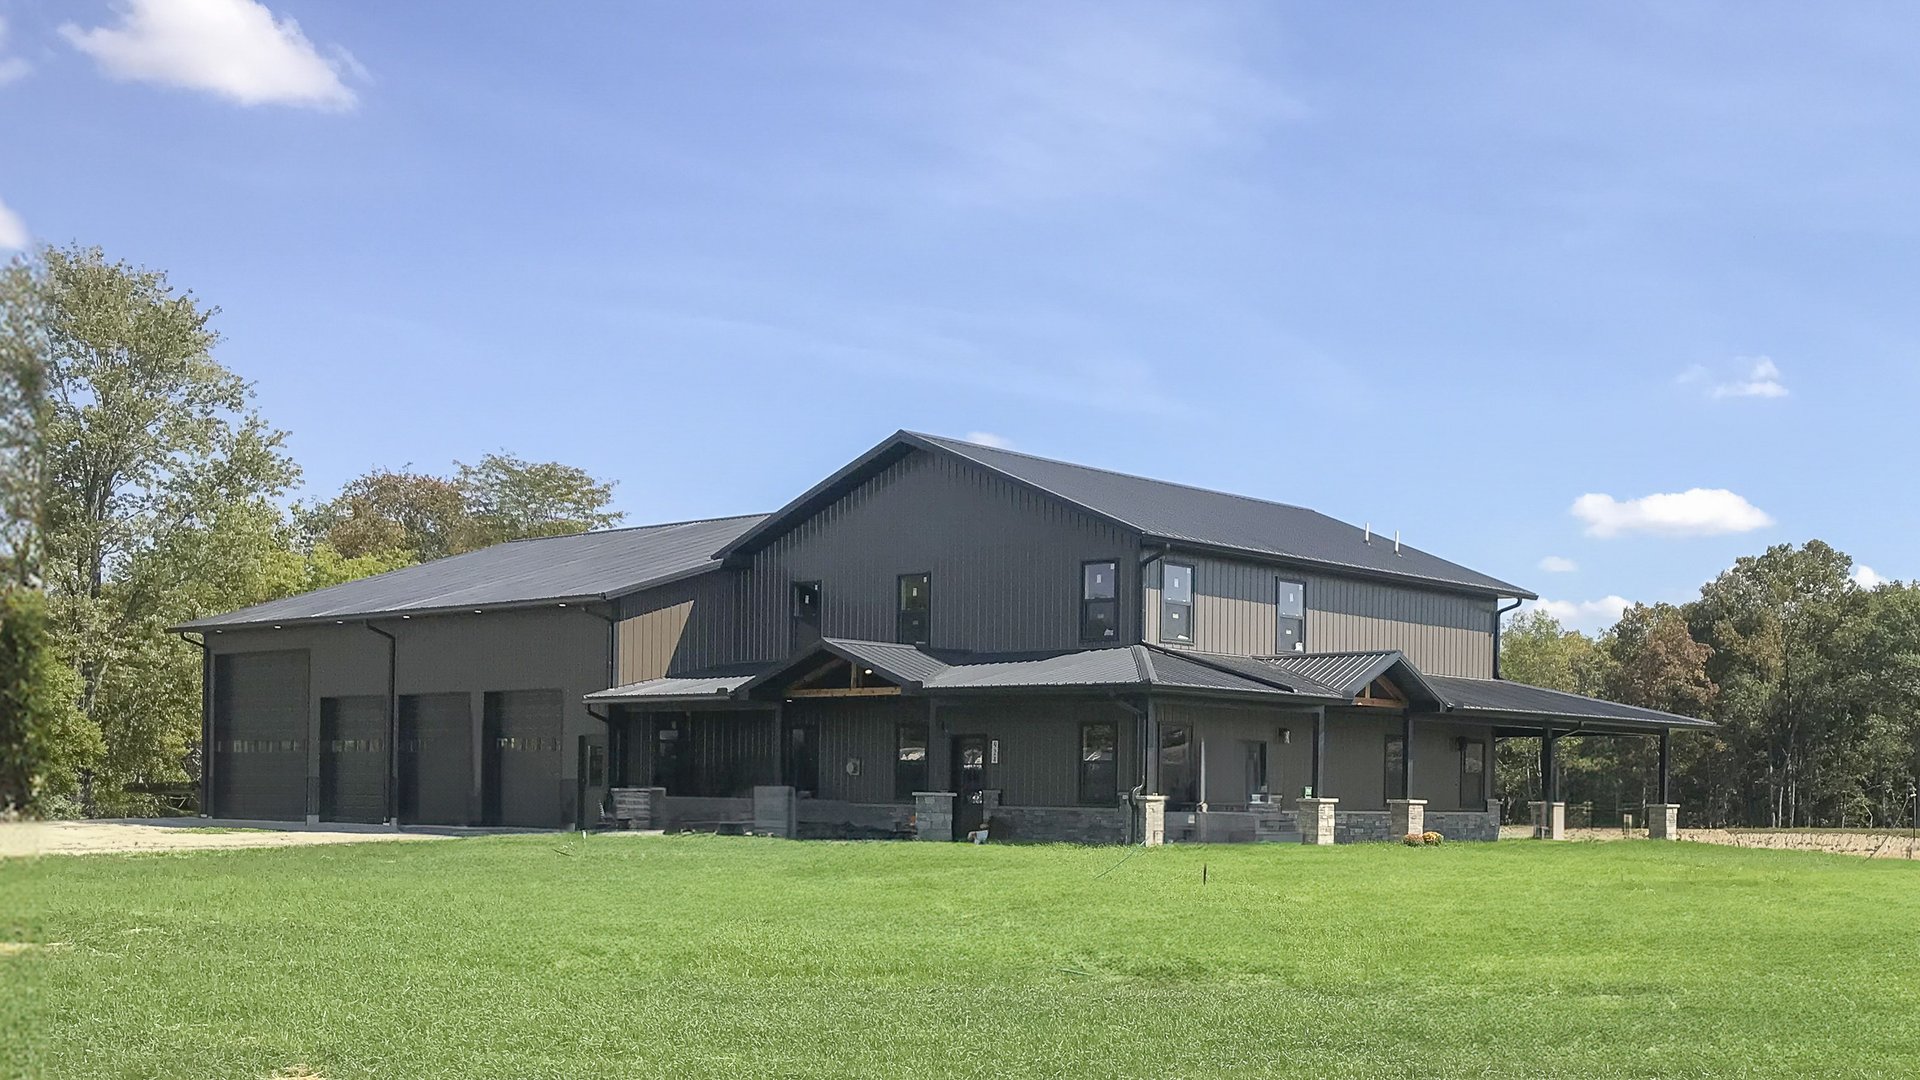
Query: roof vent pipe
1368 538
1396 541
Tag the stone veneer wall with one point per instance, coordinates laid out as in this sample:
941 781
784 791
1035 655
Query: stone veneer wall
1060 824
692 813
1360 826
1464 824
831 819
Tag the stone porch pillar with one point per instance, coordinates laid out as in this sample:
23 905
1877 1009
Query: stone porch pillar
1550 821
773 811
1316 820
1663 821
933 815
1150 819
1406 817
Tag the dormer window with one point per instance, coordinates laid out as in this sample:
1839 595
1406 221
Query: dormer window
1099 602
1176 603
1290 604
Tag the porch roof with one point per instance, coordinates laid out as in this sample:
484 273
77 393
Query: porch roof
1500 699
679 689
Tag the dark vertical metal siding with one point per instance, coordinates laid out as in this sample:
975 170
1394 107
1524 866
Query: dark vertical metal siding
260 735
862 731
1005 562
1040 746
1443 633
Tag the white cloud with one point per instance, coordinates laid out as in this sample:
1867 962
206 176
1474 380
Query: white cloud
1585 614
13 232
988 438
1694 512
1746 377
233 48
1866 577
1558 564
11 67
1069 100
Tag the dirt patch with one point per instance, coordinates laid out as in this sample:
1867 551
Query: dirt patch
1867 845
15 948
25 838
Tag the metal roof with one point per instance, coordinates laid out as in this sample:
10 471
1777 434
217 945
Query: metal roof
1500 696
579 568
1154 667
1160 511
708 688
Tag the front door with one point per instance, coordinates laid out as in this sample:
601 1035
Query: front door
803 758
969 782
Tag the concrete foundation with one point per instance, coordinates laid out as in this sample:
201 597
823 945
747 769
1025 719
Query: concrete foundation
773 812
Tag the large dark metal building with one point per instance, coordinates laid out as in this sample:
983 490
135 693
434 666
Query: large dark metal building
940 636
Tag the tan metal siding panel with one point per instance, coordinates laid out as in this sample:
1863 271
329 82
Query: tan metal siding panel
1442 633
686 626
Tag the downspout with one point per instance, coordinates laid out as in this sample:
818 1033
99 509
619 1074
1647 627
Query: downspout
206 723
393 724
1499 616
1140 593
612 678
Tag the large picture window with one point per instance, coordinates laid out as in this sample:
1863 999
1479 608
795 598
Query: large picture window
1099 764
909 760
1099 602
915 614
1176 603
1290 602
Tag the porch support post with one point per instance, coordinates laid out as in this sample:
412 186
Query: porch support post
1316 811
1317 773
777 772
1663 819
1550 814
1406 755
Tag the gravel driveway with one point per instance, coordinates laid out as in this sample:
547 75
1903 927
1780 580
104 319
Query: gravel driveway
18 838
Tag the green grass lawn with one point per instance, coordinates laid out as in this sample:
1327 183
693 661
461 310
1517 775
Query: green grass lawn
534 956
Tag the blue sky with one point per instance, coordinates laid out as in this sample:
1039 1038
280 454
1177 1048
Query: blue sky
1491 275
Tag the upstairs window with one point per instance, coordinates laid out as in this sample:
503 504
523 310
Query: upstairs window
806 613
1099 602
1176 603
915 614
1099 764
1291 603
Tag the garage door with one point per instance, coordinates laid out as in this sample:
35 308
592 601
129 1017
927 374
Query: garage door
260 736
353 759
436 759
523 759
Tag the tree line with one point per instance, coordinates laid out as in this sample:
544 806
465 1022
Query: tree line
1813 680
142 488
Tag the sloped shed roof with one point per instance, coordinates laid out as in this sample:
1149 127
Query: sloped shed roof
579 568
